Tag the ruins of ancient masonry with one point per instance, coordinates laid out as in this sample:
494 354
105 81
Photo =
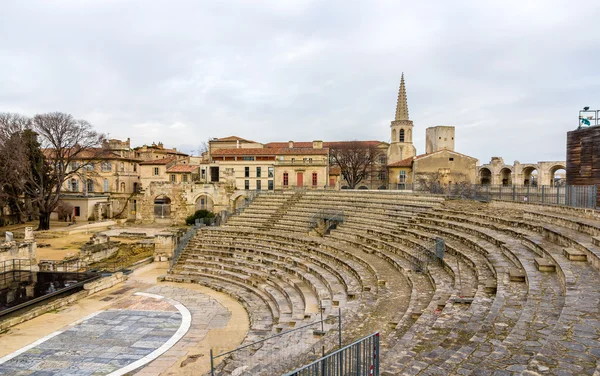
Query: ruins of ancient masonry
517 290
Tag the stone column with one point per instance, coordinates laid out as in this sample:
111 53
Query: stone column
164 245
29 234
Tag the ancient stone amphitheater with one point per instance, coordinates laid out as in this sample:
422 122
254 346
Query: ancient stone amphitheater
528 276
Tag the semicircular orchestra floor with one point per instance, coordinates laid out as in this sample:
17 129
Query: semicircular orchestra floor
114 341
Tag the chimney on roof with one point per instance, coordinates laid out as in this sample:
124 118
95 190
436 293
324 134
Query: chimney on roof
317 144
291 144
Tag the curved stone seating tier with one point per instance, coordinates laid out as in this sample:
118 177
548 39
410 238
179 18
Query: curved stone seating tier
545 299
304 270
290 299
577 277
350 271
259 310
517 289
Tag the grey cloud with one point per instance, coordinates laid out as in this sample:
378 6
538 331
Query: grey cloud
509 75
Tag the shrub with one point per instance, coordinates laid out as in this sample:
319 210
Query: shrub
204 215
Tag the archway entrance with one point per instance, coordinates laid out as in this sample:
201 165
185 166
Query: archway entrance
162 207
204 202
505 176
239 202
530 176
558 176
485 176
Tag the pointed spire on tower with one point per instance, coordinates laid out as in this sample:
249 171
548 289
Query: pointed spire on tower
402 106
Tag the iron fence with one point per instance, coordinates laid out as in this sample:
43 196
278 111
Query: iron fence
183 241
580 196
427 254
282 362
360 358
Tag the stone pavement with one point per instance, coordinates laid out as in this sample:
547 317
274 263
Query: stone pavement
132 328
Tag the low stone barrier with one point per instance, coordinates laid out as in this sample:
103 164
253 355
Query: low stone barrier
88 289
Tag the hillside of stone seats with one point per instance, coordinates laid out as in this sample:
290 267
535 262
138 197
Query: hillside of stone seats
517 291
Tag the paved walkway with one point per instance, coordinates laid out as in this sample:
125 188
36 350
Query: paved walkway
142 327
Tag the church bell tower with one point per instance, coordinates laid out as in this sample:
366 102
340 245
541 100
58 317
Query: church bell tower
401 146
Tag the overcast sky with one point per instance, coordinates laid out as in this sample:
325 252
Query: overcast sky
510 75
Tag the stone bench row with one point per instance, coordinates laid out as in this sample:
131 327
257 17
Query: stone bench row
313 251
336 284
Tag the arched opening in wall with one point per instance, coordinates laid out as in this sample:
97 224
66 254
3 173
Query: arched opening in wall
162 207
344 187
530 176
123 187
485 176
401 135
382 187
505 176
239 202
558 176
363 187
204 202
393 135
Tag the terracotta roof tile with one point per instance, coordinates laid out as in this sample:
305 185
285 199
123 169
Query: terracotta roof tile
182 168
327 144
270 151
403 163
160 161
232 138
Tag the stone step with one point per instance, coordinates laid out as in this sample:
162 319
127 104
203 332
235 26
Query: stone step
544 265
516 275
574 254
596 241
491 287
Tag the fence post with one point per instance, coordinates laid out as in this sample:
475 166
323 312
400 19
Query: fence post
358 358
514 192
558 195
543 196
212 366
341 361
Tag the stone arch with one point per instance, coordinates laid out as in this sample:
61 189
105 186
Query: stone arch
363 187
506 176
238 200
162 206
530 175
485 176
204 202
401 136
393 135
557 179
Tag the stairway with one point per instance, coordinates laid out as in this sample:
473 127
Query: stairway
282 210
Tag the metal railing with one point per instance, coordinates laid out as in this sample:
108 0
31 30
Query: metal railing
360 358
182 243
580 196
70 266
257 344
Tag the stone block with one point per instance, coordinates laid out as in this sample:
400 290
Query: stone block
596 241
516 275
574 255
544 265
490 286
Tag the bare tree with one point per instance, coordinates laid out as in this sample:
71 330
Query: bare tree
70 146
355 159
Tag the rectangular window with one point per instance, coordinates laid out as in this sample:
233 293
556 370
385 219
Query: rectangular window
248 158
382 159
309 160
185 178
285 179
258 172
203 175
155 171
134 206
402 177
173 178
451 159
246 184
77 211
258 185
135 167
270 172
105 185
246 172
381 175
270 185
314 179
